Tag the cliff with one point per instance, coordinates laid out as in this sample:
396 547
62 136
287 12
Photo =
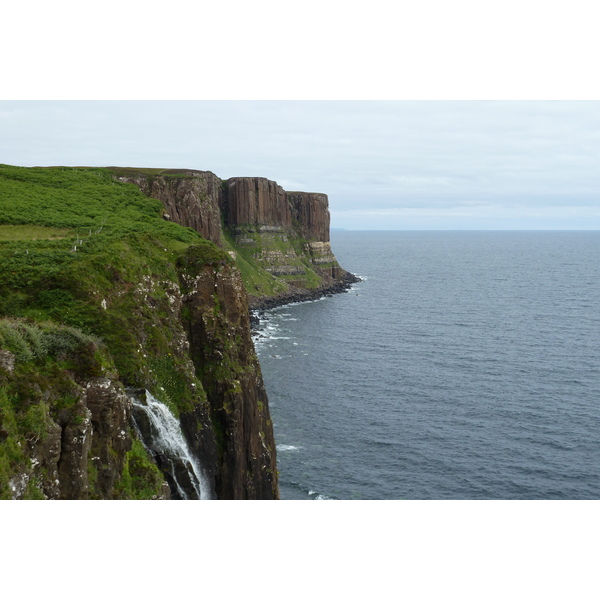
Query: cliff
280 240
109 287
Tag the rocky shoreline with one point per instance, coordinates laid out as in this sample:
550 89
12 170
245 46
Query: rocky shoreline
259 305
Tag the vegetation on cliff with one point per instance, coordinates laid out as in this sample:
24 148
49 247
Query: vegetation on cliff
108 273
125 277
279 240
91 294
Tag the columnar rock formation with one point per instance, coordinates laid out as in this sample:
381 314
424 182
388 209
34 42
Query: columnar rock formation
257 202
285 234
311 212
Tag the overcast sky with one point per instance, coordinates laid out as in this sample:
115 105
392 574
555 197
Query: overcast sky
384 165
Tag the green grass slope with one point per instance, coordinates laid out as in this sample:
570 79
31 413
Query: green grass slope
88 262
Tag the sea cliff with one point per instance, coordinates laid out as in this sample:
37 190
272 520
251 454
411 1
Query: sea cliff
115 280
280 240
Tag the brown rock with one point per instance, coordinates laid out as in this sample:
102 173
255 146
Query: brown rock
191 200
311 211
226 363
258 202
110 413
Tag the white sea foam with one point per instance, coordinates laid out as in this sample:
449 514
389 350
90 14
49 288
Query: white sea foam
287 448
316 496
268 329
309 301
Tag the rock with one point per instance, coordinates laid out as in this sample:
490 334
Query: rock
192 200
257 201
311 211
110 414
7 361
75 447
259 214
45 453
230 374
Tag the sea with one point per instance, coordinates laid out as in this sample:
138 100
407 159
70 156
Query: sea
465 365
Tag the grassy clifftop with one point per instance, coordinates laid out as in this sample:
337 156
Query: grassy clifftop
76 247
89 288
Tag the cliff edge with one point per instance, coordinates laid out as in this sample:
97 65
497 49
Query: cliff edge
279 240
119 279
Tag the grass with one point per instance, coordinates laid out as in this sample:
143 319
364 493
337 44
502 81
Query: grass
86 200
38 341
252 259
11 233
141 478
257 281
81 252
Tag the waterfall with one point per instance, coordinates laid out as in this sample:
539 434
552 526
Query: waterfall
161 433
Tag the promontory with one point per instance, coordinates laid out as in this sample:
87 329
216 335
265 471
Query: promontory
121 283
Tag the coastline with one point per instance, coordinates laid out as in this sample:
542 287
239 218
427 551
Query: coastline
260 304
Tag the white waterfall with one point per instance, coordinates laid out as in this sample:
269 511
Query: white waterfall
170 449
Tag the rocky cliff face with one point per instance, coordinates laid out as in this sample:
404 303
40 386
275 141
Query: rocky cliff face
222 350
311 212
117 295
69 435
257 202
279 239
191 198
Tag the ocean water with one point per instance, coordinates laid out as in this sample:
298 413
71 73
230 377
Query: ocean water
465 365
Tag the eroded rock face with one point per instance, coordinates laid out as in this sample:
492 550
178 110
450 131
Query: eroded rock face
257 201
94 437
226 363
191 200
80 452
311 211
110 416
76 441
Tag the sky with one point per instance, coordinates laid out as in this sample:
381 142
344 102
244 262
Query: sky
386 164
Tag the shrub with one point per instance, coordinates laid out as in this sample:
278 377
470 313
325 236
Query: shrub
12 339
30 341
